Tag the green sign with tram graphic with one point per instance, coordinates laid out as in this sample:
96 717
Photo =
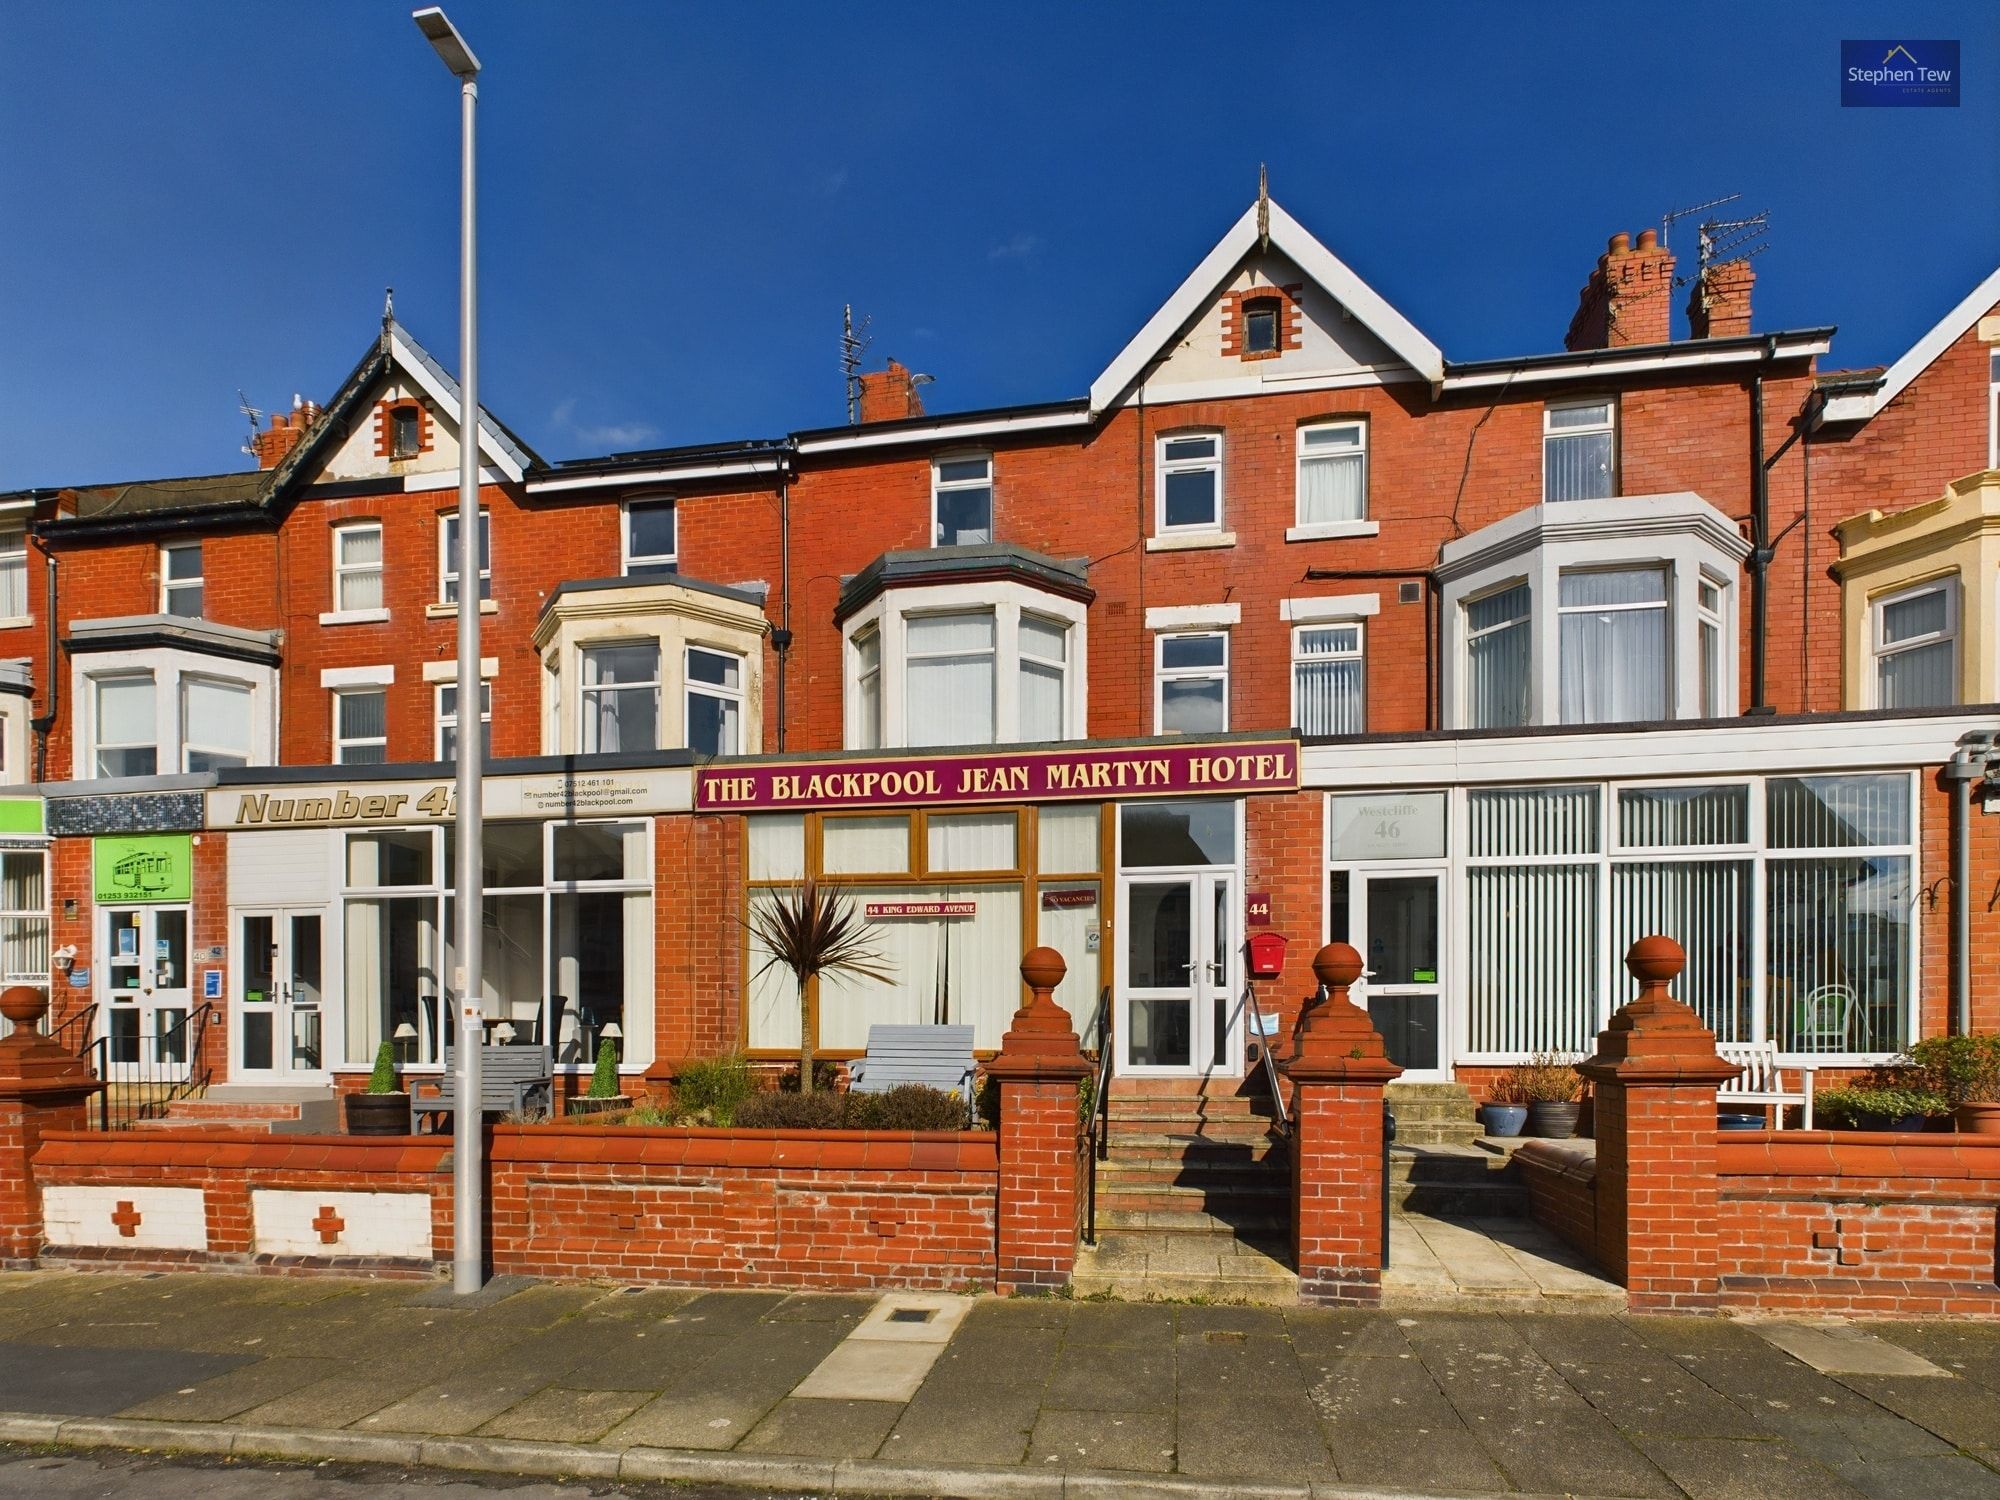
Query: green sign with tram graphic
142 867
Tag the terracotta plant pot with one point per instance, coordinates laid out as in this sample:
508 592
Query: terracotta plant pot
378 1114
1503 1119
1553 1121
1981 1118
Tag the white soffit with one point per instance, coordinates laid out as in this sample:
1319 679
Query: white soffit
1206 281
1859 408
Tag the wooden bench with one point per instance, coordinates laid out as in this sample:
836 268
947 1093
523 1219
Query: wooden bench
938 1056
1762 1082
512 1080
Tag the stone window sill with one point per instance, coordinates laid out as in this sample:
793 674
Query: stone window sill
354 617
1329 530
1191 541
450 611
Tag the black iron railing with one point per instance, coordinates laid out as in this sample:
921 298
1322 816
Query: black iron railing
143 1074
1103 1037
1264 1030
74 1034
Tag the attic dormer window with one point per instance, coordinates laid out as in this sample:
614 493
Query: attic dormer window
405 432
1261 326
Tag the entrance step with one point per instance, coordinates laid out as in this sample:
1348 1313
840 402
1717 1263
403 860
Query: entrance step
1433 1114
1454 1180
278 1109
1214 1267
1462 1263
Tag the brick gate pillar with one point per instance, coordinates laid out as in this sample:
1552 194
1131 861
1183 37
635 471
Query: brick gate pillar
42 1088
1338 1068
1038 1069
1653 1081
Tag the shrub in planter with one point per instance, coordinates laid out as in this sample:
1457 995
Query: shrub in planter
820 1110
1878 1106
911 1106
1965 1070
1549 1085
711 1090
1503 1113
383 1109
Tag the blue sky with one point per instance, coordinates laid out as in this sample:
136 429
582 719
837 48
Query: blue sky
677 199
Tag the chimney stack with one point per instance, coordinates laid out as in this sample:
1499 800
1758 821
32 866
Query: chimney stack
284 433
1719 305
887 395
1629 297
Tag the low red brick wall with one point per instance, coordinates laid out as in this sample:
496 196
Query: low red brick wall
785 1208
1561 1177
1849 1222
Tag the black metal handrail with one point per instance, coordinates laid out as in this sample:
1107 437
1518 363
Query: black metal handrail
1268 1065
1103 1033
73 1035
169 1065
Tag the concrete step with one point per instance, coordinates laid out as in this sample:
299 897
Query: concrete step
1272 1222
1454 1181
1148 1145
1244 1128
1132 1266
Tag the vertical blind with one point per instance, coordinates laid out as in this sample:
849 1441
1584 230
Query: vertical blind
948 688
1613 630
1326 678
1498 651
1917 659
1044 651
1578 452
1533 981
1705 906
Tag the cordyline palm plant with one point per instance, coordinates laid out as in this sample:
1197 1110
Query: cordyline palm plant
810 929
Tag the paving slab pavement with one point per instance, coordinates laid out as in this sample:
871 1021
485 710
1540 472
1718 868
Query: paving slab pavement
1042 1397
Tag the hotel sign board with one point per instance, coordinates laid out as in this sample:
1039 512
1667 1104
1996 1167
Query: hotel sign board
1221 768
558 796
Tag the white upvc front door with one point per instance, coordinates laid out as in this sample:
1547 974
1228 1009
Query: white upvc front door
1179 1012
278 1024
143 993
1397 918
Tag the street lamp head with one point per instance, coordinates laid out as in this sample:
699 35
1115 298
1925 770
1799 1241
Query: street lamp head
433 23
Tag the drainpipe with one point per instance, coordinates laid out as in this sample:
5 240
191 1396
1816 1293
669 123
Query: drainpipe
1966 766
1760 549
781 638
42 724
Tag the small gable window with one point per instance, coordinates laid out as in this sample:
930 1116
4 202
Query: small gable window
406 433
1261 326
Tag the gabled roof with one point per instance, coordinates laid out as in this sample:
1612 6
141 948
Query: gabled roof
1207 280
1859 406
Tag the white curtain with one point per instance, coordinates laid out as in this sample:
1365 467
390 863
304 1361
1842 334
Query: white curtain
774 994
216 716
1614 646
948 684
1498 658
961 842
865 846
1044 657
1683 816
13 574
1705 907
953 970
1333 484
24 933
1839 812
778 846
1578 463
360 552
365 982
1068 839
125 711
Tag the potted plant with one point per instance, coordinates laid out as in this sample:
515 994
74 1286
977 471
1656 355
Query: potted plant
1879 1105
1965 1070
1504 1113
603 1095
811 929
1549 1085
383 1109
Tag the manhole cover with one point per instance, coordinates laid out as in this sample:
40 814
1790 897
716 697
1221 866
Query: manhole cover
911 1315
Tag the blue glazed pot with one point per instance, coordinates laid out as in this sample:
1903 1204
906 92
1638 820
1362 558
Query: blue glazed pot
1503 1119
1739 1122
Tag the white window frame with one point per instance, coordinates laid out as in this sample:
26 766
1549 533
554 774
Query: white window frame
190 741
1164 466
342 744
447 577
168 667
1550 433
630 561
96 745
1879 650
1467 635
692 689
1993 409
586 691
1711 622
942 486
1360 525
1358 654
342 571
1664 604
170 585
864 730
991 655
1026 658
27 925
1162 674
441 720
13 557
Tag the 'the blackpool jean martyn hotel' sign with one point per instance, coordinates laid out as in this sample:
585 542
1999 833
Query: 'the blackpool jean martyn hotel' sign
1218 768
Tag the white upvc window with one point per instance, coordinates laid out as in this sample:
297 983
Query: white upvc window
1914 639
125 725
180 579
650 536
865 648
618 698
24 917
1499 657
447 721
215 723
1615 638
1713 660
1191 683
949 682
962 500
1327 679
1189 477
714 701
357 567
1580 450
1993 410
1332 473
448 559
13 573
1044 654
360 726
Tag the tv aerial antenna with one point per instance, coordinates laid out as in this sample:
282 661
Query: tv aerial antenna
854 342
1718 239
254 417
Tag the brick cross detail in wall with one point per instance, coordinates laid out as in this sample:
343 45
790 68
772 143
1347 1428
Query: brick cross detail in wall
126 1217
1846 1241
329 1224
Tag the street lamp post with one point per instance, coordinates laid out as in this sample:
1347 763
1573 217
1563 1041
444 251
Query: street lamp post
468 1268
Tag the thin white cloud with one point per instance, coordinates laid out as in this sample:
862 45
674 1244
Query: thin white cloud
830 183
1015 247
600 435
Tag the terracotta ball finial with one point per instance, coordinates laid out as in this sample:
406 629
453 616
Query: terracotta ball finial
1043 969
23 1005
1654 961
1337 966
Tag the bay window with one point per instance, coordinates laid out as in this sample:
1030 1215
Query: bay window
949 684
1579 450
1191 684
1189 494
1332 473
714 702
866 672
962 501
619 698
1613 641
1044 668
1327 680
1498 656
215 719
160 712
1916 647
125 725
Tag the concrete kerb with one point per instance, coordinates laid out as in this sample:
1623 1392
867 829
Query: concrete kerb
851 1476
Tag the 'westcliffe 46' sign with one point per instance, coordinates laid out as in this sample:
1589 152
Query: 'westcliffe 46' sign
1217 768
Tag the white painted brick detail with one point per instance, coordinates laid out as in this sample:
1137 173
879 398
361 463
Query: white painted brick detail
168 1218
286 1222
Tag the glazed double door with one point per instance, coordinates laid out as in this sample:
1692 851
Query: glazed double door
143 1002
278 1016
1178 1010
